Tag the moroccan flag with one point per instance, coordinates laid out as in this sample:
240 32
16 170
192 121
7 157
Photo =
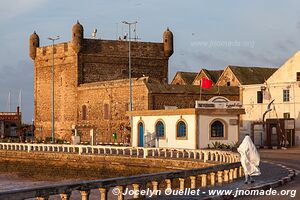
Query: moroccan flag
206 83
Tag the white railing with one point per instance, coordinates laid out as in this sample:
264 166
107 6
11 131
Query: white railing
196 154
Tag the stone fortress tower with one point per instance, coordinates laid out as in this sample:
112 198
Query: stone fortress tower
91 83
77 37
34 43
168 42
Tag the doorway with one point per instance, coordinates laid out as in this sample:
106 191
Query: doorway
274 134
141 134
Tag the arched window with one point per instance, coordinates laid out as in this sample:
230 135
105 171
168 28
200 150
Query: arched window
217 129
84 112
181 129
160 129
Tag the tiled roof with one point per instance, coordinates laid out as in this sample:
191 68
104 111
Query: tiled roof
158 87
187 77
252 75
213 74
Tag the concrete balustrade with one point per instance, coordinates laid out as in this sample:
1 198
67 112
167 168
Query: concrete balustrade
212 178
231 175
136 188
41 198
220 177
65 196
103 193
240 171
235 173
136 182
168 183
85 194
181 184
203 178
120 190
202 155
206 176
154 186
226 175
193 182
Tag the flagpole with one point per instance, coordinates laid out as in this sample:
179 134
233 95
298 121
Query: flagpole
200 89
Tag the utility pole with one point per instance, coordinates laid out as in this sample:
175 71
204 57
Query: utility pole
129 66
53 40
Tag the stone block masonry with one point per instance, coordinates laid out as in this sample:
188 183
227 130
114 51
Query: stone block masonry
46 164
91 86
82 62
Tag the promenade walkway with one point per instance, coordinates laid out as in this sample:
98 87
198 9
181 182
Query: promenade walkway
271 174
214 180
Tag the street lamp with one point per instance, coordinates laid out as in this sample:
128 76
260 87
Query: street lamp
129 66
53 40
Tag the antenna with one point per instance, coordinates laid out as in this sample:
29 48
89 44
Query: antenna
124 35
20 100
94 33
134 30
8 102
117 31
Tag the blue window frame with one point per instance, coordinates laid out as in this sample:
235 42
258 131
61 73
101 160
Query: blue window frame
217 129
181 129
160 129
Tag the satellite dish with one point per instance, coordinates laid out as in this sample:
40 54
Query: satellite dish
94 33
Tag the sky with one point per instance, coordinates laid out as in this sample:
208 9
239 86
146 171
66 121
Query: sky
207 33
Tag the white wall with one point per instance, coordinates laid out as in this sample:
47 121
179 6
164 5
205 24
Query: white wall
170 130
283 78
205 121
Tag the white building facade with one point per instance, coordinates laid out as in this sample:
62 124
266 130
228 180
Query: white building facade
282 123
214 121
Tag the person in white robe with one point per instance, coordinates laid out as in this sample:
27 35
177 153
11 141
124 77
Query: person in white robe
249 159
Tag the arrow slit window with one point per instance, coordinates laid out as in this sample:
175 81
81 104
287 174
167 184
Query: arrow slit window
84 112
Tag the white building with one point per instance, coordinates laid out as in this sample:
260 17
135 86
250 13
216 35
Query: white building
284 88
216 120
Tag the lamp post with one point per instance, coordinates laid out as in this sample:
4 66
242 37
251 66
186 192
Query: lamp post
53 40
129 66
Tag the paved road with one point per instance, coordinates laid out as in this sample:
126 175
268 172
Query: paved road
289 158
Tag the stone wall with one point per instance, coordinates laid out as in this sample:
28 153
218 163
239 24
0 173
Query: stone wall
41 164
228 77
183 100
93 78
65 84
105 60
114 95
177 80
97 79
201 75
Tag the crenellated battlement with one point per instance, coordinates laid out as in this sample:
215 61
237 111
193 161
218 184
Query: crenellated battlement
62 49
120 48
115 48
83 65
105 48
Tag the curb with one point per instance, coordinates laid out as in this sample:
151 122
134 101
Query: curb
282 181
